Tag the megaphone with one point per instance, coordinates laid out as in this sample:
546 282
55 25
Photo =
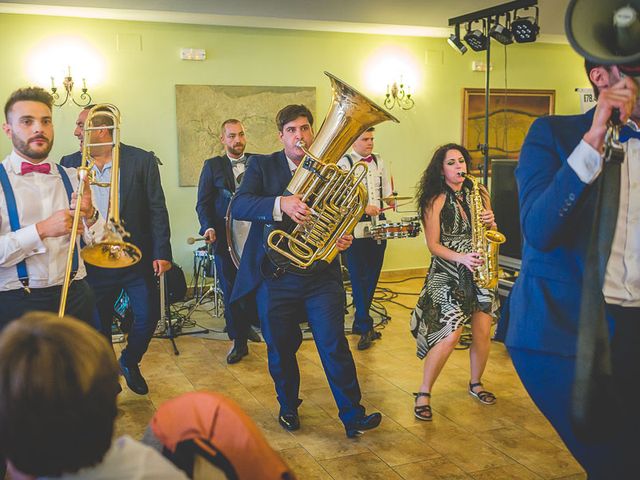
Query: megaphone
605 32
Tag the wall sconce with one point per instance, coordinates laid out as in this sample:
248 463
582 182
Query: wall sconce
397 95
67 83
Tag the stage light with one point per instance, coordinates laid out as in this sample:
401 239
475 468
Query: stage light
456 43
500 32
476 38
525 29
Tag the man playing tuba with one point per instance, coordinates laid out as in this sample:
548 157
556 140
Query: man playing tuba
284 297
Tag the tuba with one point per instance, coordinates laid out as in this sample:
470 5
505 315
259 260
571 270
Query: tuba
485 242
111 251
337 198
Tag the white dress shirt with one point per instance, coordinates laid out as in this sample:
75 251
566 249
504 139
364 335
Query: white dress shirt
38 196
277 212
378 184
622 277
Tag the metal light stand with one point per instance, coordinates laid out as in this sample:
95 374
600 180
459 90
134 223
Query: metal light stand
200 276
165 316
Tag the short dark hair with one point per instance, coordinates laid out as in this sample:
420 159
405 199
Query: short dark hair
28 94
290 113
228 121
100 120
370 129
58 388
588 66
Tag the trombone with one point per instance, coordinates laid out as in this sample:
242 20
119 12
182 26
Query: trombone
111 251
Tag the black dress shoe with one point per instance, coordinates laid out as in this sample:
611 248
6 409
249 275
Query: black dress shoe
135 380
238 351
253 335
367 338
289 421
365 423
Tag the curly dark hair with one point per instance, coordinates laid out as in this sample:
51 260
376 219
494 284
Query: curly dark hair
431 184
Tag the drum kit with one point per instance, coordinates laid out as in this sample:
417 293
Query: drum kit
407 227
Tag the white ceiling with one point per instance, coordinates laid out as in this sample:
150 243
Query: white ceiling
393 17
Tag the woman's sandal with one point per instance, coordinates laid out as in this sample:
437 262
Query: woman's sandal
422 412
485 397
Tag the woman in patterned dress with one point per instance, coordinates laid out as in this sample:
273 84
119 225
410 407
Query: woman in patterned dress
450 299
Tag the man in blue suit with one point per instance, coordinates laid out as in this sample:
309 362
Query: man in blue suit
559 162
219 179
145 217
284 297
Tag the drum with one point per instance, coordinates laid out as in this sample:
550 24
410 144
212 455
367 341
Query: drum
407 228
237 232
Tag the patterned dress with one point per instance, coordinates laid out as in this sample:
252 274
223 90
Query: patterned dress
450 296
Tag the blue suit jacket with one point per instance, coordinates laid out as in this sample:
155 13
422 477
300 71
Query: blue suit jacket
142 204
216 187
556 213
265 178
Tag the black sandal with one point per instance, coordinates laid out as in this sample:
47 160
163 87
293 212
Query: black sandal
485 397
422 412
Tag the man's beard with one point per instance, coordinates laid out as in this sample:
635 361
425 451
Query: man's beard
237 149
24 148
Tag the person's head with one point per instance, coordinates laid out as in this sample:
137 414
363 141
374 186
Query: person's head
233 138
295 123
444 169
29 124
58 388
97 136
601 76
363 145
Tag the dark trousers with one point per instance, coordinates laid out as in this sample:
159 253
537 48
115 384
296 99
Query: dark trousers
364 261
282 303
80 302
549 380
144 299
238 316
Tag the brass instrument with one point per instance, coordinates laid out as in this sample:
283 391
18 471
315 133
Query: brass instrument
337 198
485 242
111 251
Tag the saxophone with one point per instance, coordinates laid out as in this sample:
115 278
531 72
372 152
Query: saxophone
485 242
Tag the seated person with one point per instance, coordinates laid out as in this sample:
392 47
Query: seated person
58 388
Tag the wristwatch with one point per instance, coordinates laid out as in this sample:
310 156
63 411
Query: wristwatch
94 216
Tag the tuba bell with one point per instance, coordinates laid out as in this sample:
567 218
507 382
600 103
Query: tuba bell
111 251
337 198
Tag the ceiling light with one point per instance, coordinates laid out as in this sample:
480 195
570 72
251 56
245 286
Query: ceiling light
456 43
476 38
500 32
525 29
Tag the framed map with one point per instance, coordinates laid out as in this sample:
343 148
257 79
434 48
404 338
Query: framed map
511 113
201 109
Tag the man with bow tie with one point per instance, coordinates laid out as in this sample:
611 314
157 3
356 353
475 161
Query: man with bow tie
559 172
220 177
364 258
36 210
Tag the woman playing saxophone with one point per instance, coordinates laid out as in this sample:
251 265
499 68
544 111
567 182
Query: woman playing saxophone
451 298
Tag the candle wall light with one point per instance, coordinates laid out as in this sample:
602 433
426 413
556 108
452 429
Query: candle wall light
84 98
399 94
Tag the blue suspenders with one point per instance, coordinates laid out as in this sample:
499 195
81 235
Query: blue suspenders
14 219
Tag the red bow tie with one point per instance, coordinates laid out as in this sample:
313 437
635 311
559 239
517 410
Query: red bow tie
27 167
367 159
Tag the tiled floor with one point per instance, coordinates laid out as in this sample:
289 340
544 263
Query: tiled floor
509 440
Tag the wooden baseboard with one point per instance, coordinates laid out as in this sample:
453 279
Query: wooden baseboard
403 273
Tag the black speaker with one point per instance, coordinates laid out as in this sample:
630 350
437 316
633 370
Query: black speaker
504 200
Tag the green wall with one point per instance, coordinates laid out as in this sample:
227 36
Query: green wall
142 70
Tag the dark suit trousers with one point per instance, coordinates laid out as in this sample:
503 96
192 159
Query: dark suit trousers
364 261
144 298
239 315
549 380
80 302
282 303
